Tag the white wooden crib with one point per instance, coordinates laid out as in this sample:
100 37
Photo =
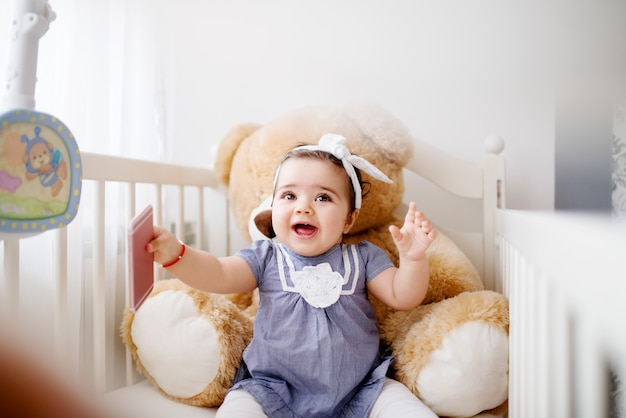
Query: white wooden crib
565 276
561 345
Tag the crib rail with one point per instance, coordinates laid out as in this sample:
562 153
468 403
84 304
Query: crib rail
565 276
87 270
440 183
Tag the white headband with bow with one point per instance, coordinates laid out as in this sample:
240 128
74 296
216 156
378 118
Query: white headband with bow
335 145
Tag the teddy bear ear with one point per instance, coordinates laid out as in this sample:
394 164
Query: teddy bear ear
260 225
263 222
228 147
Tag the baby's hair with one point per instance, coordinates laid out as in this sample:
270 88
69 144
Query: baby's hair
327 156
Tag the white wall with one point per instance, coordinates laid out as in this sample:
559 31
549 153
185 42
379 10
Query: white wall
453 71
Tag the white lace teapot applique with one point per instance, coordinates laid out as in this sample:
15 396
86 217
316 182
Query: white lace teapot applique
319 285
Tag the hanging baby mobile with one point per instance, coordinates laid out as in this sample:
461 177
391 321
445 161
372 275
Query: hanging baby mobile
40 165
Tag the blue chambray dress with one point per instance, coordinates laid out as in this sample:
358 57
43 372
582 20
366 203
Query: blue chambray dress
316 347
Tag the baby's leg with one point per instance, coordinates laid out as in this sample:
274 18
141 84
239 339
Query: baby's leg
396 400
239 403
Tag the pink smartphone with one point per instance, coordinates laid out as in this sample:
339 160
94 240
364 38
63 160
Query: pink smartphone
140 261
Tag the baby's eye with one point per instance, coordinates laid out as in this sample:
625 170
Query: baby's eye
322 198
288 196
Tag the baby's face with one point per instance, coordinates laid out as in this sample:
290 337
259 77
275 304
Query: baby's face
311 209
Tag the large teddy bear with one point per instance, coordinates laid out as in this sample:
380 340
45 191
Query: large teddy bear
451 351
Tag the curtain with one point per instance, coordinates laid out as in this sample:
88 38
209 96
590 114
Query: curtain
99 71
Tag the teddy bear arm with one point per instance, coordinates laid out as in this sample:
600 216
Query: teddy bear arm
187 343
454 354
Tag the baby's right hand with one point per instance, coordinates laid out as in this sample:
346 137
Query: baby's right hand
164 245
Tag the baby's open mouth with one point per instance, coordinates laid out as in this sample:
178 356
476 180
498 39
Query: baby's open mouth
304 230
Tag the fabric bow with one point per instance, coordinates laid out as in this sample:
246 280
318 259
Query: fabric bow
335 145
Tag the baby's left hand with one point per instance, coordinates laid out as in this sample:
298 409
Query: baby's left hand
415 236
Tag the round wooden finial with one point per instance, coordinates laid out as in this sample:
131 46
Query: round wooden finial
494 144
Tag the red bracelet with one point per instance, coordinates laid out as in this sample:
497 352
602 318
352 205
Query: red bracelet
177 259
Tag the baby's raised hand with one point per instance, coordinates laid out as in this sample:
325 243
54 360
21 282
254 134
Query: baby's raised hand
415 236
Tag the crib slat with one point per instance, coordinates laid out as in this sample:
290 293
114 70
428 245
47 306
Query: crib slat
560 357
11 277
493 195
60 312
524 315
538 340
131 211
200 217
158 207
590 379
158 220
99 291
180 222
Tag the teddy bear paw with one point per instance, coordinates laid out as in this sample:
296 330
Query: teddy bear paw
176 345
461 381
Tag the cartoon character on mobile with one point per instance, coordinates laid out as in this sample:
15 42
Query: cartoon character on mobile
44 161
